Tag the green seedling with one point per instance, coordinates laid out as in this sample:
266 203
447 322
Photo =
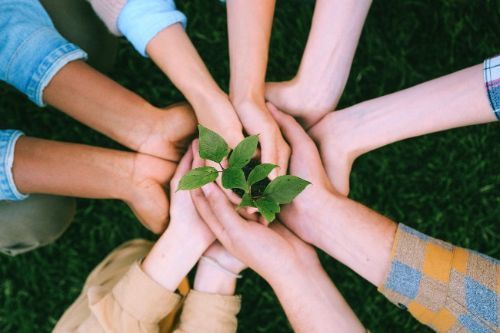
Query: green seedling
244 176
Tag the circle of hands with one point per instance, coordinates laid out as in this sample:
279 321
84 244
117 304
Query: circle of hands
236 239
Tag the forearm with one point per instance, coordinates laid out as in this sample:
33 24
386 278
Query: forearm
97 101
173 256
42 166
213 280
312 303
335 31
249 31
173 52
356 236
454 100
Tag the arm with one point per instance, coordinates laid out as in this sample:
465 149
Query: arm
172 50
97 101
335 31
454 100
249 30
415 271
291 267
211 306
42 166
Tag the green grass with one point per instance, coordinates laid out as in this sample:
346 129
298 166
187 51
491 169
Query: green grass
445 184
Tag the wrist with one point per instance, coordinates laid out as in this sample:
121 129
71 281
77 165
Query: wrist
171 258
242 96
214 280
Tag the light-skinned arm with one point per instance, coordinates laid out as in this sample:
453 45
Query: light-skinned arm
291 267
99 102
173 52
249 31
42 166
455 100
348 231
326 62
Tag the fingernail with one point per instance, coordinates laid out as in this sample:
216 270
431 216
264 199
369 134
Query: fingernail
209 188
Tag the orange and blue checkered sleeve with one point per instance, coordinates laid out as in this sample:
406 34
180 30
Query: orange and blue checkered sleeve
446 287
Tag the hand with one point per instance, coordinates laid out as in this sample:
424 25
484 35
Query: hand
269 253
305 162
170 134
301 100
148 177
257 120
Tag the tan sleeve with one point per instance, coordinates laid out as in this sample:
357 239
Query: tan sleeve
209 313
108 11
136 304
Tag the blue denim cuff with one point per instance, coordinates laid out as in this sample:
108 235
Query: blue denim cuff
38 59
141 20
8 190
492 80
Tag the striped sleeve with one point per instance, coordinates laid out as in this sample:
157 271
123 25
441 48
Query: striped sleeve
492 80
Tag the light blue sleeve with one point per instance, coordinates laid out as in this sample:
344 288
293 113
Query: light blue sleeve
31 49
141 20
8 190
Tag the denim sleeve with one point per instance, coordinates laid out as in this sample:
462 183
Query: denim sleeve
31 50
8 190
141 20
492 81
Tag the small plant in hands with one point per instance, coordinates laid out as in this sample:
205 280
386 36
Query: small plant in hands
244 176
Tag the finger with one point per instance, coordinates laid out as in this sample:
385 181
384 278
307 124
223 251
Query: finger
284 158
291 129
222 207
269 152
197 160
182 168
205 211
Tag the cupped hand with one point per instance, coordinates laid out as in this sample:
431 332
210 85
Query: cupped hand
305 162
269 253
257 120
171 132
184 218
146 195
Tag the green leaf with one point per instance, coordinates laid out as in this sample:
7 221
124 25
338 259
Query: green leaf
246 201
260 172
244 152
212 145
197 178
268 208
234 178
284 189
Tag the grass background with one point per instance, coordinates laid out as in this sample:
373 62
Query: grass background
444 184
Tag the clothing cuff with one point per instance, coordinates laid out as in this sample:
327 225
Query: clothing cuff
160 301
203 310
38 59
8 190
491 70
140 21
108 11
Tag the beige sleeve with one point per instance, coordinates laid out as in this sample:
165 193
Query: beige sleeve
209 313
108 11
136 304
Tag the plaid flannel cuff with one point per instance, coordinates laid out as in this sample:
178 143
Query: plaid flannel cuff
448 288
492 80
8 190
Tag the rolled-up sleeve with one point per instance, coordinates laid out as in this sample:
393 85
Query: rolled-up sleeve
446 287
31 49
492 80
209 313
8 190
141 20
